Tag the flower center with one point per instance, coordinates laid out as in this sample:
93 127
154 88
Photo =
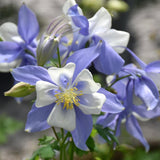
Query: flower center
69 97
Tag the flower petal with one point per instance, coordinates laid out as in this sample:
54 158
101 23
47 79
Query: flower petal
31 74
8 31
146 90
108 62
108 120
79 21
44 97
9 51
62 118
116 39
37 118
64 75
100 22
83 129
112 104
91 103
6 67
28 26
83 58
68 4
84 82
134 129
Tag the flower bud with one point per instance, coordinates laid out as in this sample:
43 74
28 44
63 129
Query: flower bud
117 5
49 41
21 89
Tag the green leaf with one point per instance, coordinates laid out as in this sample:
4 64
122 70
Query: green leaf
45 140
44 152
90 143
106 133
1 39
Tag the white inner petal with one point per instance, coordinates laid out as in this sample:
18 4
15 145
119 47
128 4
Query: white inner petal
6 67
88 85
44 97
67 70
92 103
62 118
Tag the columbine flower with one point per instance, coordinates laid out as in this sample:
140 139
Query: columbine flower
152 70
103 49
145 91
19 48
61 100
130 113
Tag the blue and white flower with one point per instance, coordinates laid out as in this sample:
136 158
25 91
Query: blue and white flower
18 47
62 101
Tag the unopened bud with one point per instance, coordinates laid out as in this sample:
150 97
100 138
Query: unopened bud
117 5
93 4
49 42
21 89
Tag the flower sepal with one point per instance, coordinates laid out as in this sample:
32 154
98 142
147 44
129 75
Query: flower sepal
21 89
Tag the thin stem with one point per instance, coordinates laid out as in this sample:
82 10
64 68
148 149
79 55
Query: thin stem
117 81
67 135
72 151
62 132
59 58
55 133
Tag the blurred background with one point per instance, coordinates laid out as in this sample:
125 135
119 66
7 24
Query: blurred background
141 18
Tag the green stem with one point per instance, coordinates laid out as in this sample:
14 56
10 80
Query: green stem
62 132
117 81
59 57
72 151
55 133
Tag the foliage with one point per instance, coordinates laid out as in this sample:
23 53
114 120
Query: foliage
8 126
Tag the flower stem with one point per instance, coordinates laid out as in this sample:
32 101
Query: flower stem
72 150
55 133
59 57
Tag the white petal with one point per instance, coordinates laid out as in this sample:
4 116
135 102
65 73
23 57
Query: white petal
56 73
116 38
85 82
8 30
6 67
44 98
62 118
92 103
68 4
100 22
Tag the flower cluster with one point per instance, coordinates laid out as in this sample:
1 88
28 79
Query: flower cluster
56 67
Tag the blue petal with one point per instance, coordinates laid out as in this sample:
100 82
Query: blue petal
107 120
9 51
31 74
147 91
28 26
112 104
153 67
79 20
142 112
28 60
109 61
37 118
83 58
134 129
83 129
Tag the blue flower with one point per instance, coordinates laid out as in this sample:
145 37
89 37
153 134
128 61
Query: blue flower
62 101
145 91
130 114
19 48
103 41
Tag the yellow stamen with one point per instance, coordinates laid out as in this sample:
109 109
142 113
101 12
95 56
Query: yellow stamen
69 97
